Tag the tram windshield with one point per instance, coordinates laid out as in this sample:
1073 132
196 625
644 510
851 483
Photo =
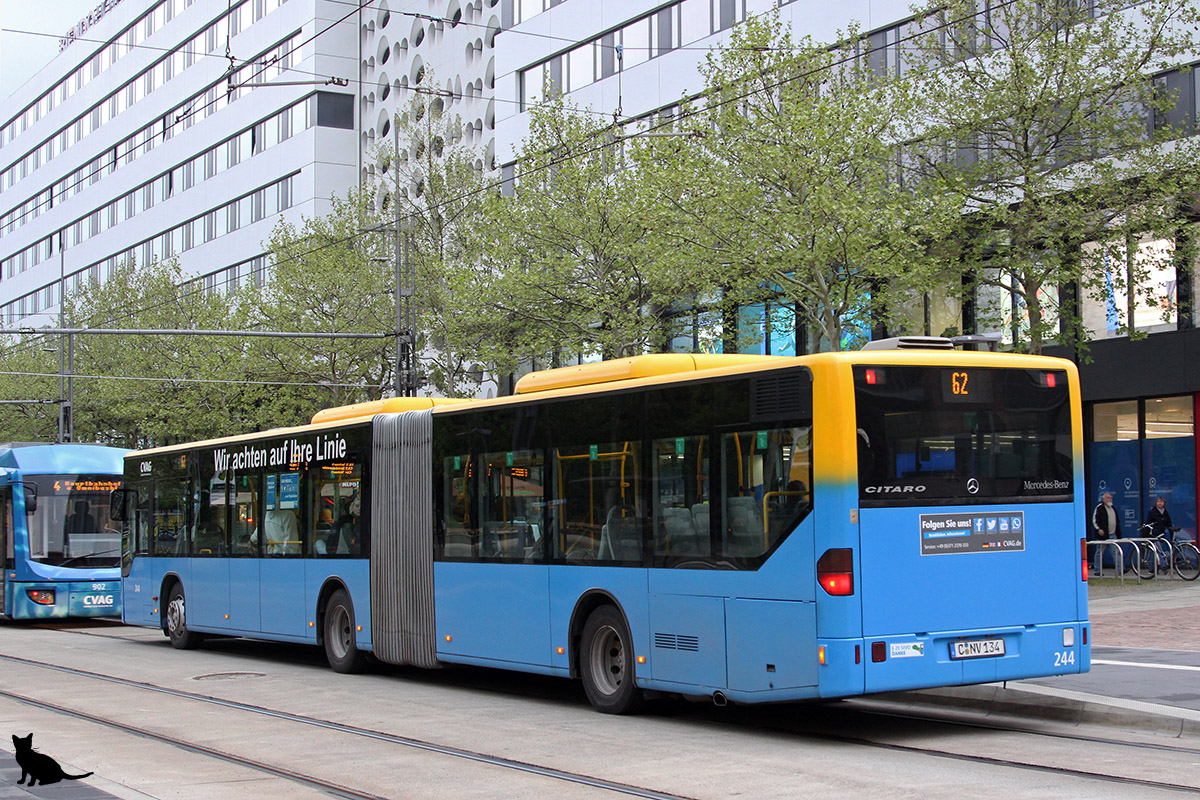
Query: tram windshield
71 527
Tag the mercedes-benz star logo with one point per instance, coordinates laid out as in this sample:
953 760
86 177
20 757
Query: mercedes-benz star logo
973 486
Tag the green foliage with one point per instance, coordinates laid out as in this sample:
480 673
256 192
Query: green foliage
1057 101
329 276
573 257
786 188
141 390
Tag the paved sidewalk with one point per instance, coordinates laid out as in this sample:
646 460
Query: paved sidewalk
10 773
1159 614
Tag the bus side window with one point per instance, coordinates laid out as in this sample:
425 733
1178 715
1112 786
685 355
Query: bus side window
767 475
244 521
335 493
281 517
141 521
680 494
170 518
461 533
512 495
6 528
598 508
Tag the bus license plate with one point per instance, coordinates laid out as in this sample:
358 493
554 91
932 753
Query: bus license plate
977 648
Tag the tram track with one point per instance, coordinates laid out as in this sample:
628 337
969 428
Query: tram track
336 789
747 719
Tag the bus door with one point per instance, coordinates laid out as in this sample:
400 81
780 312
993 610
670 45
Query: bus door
282 570
210 549
137 590
244 579
6 545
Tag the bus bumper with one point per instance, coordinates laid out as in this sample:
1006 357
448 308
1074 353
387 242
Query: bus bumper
58 599
965 657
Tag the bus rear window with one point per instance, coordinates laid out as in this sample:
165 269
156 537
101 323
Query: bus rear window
941 435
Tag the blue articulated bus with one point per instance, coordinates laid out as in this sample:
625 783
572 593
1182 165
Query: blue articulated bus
62 552
745 528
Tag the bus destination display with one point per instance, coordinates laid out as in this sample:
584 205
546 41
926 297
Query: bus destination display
972 532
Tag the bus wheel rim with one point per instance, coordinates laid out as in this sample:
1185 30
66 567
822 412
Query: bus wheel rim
175 615
340 632
608 660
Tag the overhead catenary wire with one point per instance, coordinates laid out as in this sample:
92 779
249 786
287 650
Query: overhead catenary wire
192 380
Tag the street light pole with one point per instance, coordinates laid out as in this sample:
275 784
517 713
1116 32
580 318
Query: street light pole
406 327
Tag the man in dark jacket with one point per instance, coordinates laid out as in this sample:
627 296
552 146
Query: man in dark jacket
1105 525
1105 521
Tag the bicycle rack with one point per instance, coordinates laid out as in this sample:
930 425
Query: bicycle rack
1118 556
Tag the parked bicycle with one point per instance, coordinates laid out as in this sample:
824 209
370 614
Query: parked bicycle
1164 553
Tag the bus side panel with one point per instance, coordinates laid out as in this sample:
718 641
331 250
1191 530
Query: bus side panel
687 637
771 644
136 590
281 598
355 574
208 594
492 611
626 585
244 606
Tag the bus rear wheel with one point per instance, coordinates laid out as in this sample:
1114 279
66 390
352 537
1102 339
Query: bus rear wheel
341 649
181 637
606 663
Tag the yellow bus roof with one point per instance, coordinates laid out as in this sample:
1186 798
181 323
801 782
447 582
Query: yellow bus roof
389 405
650 370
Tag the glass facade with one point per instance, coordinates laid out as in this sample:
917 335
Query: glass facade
1141 450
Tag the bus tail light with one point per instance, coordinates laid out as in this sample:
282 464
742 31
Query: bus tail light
835 572
1084 558
43 597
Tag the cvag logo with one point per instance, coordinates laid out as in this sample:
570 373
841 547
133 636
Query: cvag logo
893 489
98 600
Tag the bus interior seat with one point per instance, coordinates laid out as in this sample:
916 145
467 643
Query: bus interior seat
619 536
701 518
745 529
681 536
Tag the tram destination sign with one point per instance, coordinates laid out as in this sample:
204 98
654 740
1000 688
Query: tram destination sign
972 532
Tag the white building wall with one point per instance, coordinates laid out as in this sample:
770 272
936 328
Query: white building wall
322 160
665 78
444 46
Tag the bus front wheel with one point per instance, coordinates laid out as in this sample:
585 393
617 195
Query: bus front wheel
181 637
341 649
606 663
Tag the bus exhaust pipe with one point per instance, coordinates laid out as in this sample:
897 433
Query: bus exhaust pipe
720 700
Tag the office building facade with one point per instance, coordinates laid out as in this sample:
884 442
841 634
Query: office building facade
172 128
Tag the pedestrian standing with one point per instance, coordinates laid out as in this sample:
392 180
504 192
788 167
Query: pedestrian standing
1104 526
